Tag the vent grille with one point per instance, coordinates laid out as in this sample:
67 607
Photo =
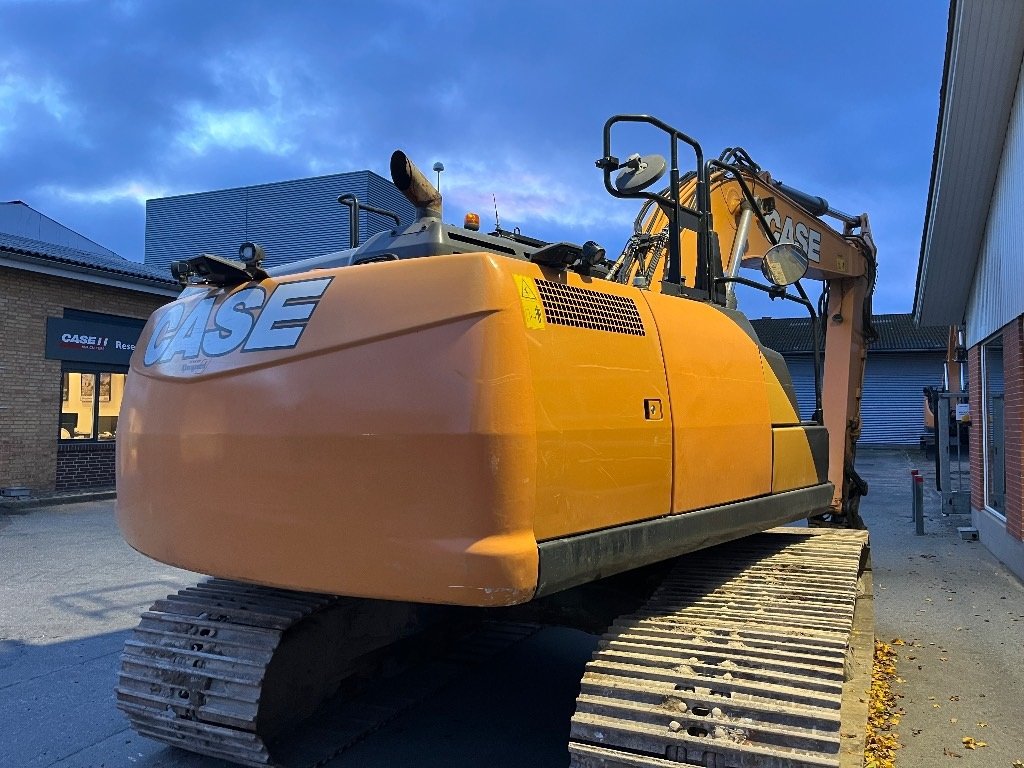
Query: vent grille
580 308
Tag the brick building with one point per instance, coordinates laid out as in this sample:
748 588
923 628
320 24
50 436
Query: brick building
71 312
971 271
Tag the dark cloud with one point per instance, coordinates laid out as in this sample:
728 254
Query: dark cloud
186 96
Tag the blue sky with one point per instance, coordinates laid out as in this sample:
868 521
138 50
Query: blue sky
103 105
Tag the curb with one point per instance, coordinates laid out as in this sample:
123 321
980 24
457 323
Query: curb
26 506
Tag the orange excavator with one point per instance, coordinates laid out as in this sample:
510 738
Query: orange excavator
356 445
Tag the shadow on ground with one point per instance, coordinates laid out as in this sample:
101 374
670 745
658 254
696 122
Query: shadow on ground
58 709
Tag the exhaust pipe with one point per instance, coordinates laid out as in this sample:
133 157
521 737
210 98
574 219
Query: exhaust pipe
415 186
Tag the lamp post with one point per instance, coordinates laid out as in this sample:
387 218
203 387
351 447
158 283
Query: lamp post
438 167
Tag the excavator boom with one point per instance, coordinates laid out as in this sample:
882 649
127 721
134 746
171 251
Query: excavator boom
749 213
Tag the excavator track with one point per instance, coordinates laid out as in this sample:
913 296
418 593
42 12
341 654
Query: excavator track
192 672
222 668
199 673
737 660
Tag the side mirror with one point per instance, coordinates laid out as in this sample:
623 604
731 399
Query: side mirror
784 264
638 173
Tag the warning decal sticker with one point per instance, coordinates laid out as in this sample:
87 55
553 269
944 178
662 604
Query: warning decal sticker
533 311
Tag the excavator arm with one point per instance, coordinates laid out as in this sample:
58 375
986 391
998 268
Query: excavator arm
749 213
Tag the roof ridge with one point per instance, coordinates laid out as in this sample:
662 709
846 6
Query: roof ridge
34 241
897 333
114 264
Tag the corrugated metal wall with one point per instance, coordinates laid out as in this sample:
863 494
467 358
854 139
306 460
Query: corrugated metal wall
997 296
892 399
386 195
801 369
290 219
892 402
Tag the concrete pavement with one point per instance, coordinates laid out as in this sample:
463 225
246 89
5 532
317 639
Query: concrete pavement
70 589
960 613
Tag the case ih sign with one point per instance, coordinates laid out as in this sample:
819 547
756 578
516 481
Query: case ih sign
90 342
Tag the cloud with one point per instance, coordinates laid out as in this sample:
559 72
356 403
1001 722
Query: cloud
267 105
197 96
18 92
526 193
209 129
133 191
255 104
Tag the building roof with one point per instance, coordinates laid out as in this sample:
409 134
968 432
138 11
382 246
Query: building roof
984 51
21 219
896 333
37 252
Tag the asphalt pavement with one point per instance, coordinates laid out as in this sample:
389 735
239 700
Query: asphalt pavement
70 590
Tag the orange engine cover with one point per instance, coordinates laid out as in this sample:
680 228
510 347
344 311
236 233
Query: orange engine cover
411 430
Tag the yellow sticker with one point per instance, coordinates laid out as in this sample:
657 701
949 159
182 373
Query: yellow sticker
840 263
533 310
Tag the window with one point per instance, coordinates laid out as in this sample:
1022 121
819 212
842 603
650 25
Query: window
90 404
994 462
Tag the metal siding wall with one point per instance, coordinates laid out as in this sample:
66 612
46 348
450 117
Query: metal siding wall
801 370
997 296
290 219
985 58
892 403
386 195
892 399
183 227
298 219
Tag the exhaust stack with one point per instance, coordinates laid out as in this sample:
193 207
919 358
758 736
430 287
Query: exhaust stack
415 186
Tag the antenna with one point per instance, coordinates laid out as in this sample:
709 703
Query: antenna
497 222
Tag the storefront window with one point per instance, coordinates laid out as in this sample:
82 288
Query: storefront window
90 404
992 412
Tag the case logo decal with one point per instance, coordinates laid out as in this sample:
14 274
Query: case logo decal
785 232
249 320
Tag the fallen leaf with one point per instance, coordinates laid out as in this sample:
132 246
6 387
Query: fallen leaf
983 725
950 753
971 743
882 741
954 698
